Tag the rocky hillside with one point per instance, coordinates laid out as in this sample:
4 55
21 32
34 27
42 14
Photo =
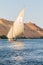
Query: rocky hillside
31 30
5 26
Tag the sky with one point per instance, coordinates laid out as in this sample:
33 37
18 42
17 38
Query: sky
9 9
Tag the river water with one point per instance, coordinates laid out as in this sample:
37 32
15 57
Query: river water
21 52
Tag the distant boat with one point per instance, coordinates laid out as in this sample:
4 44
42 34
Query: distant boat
17 27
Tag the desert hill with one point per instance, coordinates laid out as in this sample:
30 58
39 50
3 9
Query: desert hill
31 30
5 26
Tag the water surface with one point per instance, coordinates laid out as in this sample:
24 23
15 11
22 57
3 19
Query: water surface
21 52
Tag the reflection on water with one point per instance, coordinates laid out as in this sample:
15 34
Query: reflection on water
22 52
17 45
13 45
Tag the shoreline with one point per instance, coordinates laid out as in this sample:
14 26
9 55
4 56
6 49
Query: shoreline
4 37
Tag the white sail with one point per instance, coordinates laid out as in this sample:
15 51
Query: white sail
18 26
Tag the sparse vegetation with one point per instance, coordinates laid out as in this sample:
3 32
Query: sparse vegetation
21 38
41 37
3 37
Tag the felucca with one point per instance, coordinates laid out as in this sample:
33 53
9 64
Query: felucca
17 27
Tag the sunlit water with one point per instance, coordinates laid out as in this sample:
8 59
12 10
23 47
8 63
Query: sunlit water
21 52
